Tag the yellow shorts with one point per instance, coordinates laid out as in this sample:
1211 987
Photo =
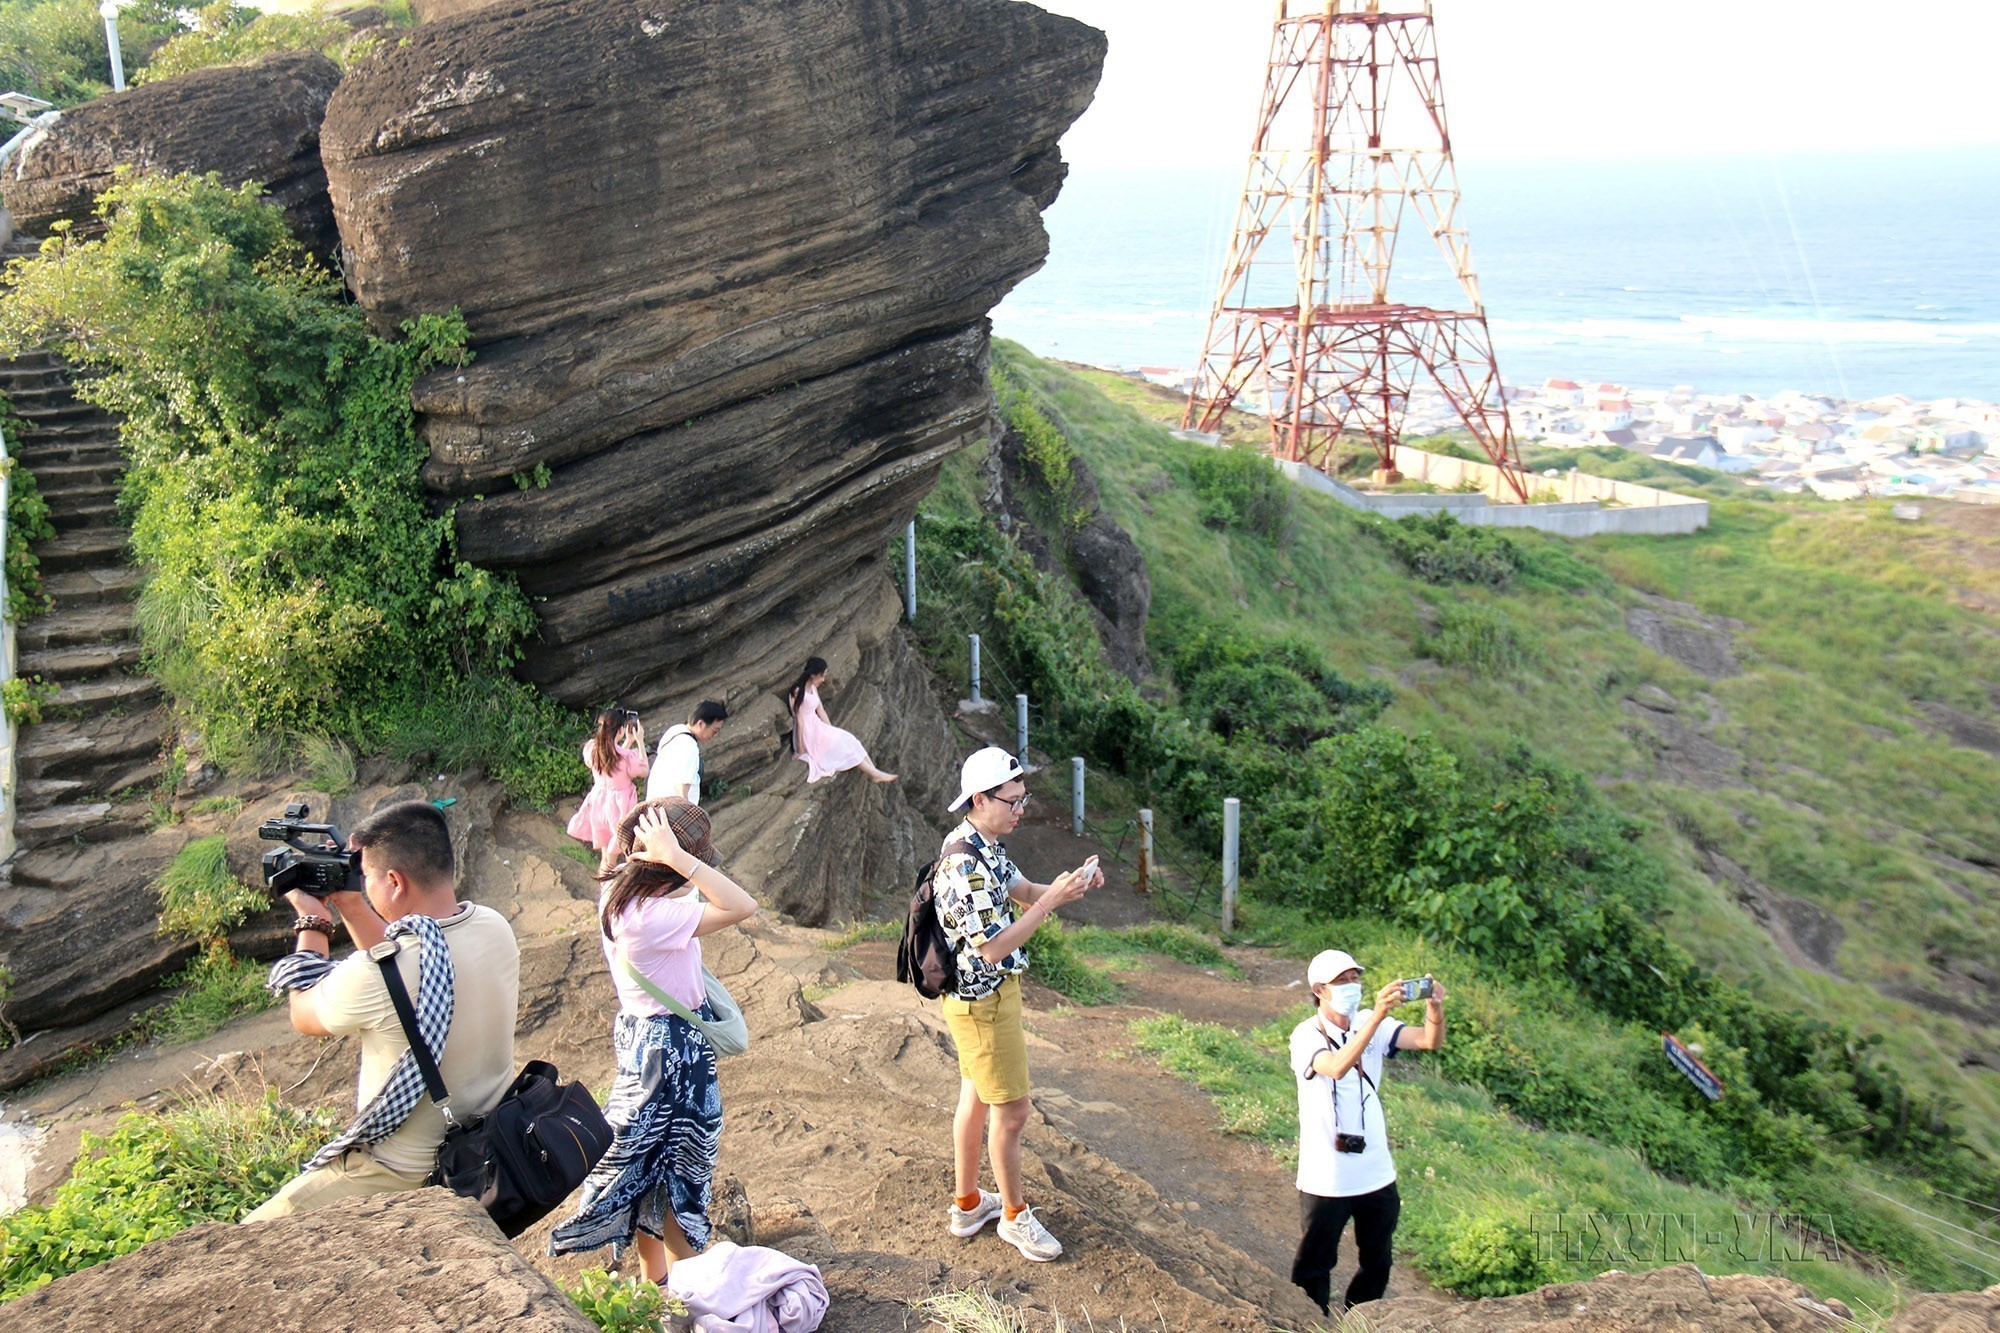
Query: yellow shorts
992 1046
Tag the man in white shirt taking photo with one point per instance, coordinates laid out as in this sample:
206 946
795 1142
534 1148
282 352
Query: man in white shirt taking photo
677 765
1345 1167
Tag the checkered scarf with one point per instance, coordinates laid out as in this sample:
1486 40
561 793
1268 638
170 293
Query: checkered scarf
436 982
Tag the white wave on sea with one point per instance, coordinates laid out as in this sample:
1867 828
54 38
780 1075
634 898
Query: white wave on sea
1693 330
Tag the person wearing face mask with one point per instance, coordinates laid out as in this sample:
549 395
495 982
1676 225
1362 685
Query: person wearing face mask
1345 1167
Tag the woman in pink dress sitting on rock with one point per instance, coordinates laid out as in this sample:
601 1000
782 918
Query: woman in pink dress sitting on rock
615 754
824 748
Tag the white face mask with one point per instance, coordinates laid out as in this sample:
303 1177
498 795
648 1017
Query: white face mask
1345 999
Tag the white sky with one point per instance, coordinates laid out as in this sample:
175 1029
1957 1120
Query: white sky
1575 78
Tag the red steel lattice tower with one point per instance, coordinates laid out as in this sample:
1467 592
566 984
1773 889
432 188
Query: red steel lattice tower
1304 307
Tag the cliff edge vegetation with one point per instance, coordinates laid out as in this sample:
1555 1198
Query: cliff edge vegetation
1708 785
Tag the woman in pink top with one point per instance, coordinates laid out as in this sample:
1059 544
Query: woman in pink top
651 1188
615 754
824 748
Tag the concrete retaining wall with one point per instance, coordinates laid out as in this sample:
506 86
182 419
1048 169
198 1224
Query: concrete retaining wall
1585 506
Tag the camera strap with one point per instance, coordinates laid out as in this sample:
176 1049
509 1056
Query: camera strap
384 955
1333 1085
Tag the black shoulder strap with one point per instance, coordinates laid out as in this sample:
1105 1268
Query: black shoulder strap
399 995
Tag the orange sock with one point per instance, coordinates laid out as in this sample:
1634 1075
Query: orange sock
1013 1210
967 1202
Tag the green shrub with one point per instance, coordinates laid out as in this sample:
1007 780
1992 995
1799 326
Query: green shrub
232 34
1053 961
211 1160
55 49
1050 459
300 581
23 698
619 1304
1479 637
1489 1256
1239 488
200 899
213 990
1437 548
27 524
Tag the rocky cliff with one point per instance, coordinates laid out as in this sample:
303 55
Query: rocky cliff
726 268
257 122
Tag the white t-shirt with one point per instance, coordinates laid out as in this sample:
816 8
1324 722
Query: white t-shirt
676 767
1322 1171
478 1060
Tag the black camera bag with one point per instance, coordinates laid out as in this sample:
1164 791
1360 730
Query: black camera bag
528 1153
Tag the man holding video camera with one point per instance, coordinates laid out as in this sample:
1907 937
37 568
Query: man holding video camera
1345 1167
393 886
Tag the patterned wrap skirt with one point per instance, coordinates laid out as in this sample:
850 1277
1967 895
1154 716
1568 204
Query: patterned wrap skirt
666 1115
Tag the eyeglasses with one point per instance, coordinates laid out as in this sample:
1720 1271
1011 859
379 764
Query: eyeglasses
1016 806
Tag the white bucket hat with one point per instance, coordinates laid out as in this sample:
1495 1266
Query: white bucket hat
984 770
1328 965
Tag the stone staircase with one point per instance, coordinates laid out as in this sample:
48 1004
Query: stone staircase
76 885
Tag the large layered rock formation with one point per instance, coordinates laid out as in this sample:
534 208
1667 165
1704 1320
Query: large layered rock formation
256 122
726 269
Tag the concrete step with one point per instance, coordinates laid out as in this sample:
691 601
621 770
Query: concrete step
94 748
67 447
66 823
72 515
146 774
49 410
87 548
84 587
126 693
76 627
44 793
80 477
31 394
62 665
107 455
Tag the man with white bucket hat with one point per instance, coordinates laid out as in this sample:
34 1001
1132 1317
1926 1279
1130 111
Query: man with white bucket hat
977 889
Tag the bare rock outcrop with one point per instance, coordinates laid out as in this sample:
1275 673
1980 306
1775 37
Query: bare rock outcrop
416 1261
726 269
1678 1297
257 122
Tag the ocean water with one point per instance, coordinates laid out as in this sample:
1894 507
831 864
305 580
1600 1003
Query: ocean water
1851 276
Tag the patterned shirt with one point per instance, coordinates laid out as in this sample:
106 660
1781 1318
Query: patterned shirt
973 907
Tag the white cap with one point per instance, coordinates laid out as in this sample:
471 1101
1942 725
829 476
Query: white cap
983 771
1328 965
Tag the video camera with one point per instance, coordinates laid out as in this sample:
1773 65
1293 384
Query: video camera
314 858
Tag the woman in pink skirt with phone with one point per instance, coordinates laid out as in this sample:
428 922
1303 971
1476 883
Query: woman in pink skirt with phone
824 748
615 754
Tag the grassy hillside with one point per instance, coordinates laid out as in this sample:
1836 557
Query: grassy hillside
1815 778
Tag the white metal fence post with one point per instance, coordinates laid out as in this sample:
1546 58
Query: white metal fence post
1145 852
1021 727
973 644
1231 814
1076 795
910 571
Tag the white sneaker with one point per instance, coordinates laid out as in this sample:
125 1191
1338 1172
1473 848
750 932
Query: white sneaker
1026 1234
965 1223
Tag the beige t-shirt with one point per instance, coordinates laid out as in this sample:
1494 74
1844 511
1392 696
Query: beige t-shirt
478 1061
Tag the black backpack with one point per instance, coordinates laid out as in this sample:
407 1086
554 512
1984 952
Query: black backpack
925 958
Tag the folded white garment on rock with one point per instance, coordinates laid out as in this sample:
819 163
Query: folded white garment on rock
731 1288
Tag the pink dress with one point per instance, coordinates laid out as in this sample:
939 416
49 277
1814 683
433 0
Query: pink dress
611 797
825 748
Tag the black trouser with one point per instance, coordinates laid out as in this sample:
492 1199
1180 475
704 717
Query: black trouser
1374 1227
